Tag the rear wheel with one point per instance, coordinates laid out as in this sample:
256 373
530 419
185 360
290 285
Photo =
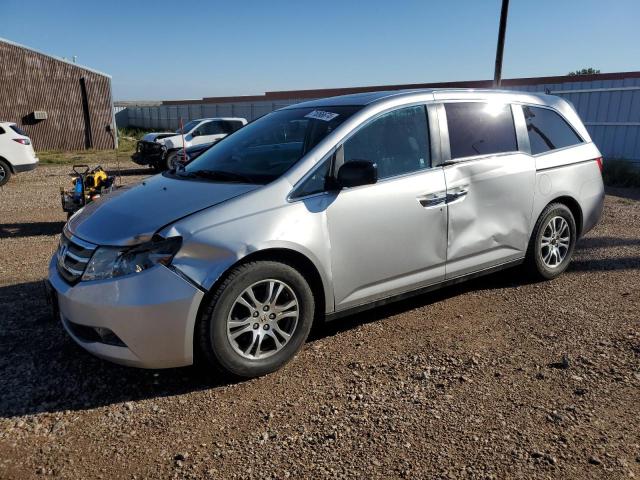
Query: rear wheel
5 172
552 242
257 319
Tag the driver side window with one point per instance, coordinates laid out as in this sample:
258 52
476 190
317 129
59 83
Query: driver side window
398 142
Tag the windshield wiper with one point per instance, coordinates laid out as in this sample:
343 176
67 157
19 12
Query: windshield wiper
217 175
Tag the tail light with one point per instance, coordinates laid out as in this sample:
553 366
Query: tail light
599 162
23 141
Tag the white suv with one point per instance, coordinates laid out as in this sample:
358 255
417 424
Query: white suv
16 152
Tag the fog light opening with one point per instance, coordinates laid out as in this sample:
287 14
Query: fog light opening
108 337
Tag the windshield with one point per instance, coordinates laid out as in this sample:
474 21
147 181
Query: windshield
266 148
188 127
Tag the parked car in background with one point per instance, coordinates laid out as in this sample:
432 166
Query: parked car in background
193 152
319 210
159 149
16 151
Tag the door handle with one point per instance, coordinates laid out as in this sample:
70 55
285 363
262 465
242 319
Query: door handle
430 200
457 193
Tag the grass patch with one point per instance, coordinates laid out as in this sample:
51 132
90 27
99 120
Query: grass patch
127 138
618 172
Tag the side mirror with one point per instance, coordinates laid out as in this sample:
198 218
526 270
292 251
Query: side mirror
195 133
356 173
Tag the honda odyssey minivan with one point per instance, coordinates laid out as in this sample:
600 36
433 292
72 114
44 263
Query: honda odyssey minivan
321 209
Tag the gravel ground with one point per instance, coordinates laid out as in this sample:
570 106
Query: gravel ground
494 378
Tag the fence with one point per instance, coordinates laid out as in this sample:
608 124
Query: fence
609 105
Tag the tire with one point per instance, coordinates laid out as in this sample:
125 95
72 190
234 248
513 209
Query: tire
5 172
171 160
541 260
226 316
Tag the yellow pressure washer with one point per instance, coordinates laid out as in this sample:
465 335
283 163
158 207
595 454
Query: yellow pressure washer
88 185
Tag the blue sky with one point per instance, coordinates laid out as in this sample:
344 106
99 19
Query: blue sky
174 50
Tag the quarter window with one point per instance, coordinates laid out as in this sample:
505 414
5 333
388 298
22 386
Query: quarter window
547 130
398 142
479 128
316 183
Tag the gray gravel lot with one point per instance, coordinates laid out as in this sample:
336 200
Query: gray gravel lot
495 378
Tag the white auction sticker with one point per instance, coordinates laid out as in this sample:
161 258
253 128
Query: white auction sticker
320 115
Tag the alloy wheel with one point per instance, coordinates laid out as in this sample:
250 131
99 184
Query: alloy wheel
263 319
555 242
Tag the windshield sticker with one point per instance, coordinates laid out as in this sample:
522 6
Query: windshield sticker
320 115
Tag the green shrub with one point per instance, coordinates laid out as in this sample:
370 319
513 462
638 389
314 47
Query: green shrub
618 172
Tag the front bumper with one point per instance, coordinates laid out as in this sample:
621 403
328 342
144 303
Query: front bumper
149 153
153 313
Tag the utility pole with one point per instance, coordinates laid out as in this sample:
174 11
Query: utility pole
497 76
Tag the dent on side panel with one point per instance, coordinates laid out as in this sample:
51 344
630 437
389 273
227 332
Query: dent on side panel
300 226
490 225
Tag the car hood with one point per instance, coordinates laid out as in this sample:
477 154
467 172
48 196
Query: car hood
152 137
132 215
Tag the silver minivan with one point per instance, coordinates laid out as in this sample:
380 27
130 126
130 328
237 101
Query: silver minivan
319 210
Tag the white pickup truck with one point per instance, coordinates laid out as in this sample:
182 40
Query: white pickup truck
159 150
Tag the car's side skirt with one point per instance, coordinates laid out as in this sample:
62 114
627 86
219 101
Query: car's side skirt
421 290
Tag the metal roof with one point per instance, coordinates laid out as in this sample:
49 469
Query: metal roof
15 44
371 97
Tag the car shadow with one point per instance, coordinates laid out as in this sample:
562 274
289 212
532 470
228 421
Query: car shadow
43 370
31 229
606 242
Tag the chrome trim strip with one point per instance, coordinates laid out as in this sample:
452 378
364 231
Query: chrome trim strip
72 271
82 243
77 258
566 164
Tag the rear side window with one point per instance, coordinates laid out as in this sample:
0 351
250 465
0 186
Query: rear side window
18 130
231 126
397 141
212 128
1 130
477 128
547 130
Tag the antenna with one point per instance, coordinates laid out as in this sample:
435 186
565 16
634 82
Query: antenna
184 145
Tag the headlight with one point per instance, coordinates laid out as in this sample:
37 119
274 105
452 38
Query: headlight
109 262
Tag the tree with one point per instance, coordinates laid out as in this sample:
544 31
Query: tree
584 71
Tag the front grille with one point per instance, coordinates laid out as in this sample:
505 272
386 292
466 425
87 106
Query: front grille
150 148
73 256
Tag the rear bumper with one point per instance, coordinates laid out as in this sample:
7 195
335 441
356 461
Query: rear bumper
592 203
152 315
25 167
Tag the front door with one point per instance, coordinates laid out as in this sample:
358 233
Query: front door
490 188
389 237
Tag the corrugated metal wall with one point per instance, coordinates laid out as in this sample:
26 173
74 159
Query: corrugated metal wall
31 81
609 104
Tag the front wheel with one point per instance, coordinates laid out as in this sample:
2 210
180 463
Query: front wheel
172 161
552 242
5 172
256 320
